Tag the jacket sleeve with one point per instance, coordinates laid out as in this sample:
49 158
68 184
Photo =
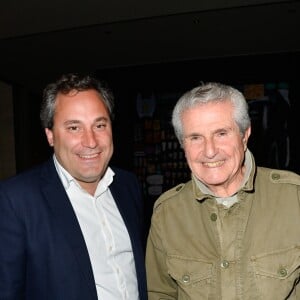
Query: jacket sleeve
159 282
12 252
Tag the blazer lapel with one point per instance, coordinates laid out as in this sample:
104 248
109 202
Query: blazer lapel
66 219
126 208
131 215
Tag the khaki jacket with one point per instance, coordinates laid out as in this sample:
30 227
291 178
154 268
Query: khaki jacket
198 249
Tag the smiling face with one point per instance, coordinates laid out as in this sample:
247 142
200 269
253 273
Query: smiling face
82 136
214 147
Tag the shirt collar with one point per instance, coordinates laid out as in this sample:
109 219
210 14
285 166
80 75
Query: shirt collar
66 178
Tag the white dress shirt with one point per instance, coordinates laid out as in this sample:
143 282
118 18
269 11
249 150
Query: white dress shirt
106 237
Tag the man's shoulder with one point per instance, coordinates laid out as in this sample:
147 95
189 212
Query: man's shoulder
121 171
173 193
125 180
277 176
123 174
27 177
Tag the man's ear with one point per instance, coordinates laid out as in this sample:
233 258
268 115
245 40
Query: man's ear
246 137
49 135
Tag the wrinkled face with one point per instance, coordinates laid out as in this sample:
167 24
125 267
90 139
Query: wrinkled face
214 147
82 136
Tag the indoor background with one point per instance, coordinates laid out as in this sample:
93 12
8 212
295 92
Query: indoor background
149 53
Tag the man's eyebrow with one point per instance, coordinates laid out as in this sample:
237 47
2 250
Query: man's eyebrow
70 122
193 134
227 128
102 119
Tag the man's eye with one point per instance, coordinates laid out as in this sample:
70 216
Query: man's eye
73 128
195 138
222 133
101 125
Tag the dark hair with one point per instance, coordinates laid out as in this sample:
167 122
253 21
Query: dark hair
65 84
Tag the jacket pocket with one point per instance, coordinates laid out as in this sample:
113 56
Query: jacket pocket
277 273
193 276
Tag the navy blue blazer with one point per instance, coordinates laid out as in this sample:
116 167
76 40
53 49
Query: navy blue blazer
43 254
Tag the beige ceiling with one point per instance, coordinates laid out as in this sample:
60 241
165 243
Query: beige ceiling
39 39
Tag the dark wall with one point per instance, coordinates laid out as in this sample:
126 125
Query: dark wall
31 147
177 77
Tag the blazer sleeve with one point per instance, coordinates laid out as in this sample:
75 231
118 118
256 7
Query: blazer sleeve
12 251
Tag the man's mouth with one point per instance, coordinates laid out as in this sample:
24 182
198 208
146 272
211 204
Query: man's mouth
214 164
88 156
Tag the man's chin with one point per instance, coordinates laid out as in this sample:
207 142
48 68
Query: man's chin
89 178
214 182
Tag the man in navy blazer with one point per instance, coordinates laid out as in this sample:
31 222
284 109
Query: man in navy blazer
71 228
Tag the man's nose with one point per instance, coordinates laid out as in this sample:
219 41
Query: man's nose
210 148
89 139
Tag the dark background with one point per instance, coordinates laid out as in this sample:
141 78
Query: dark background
160 48
172 78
